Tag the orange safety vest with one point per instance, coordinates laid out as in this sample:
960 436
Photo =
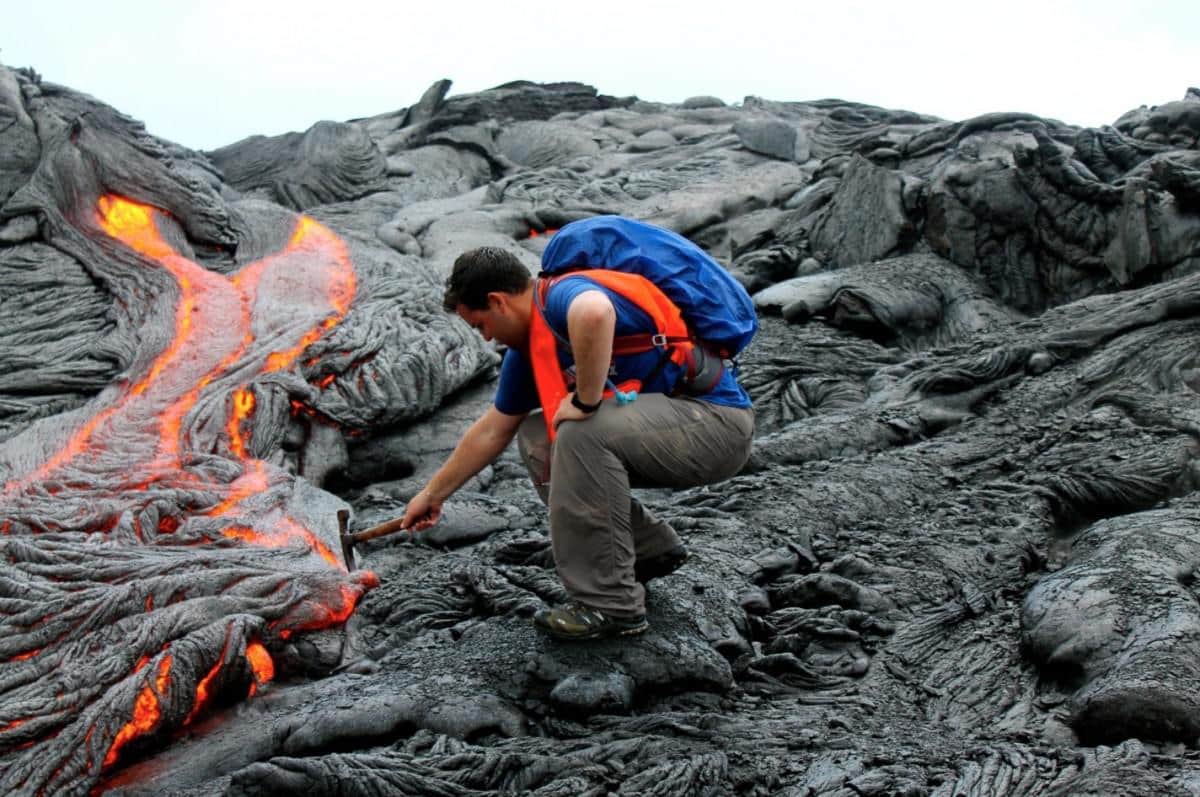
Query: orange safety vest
672 335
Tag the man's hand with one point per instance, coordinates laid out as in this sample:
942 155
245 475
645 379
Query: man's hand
422 512
483 442
569 412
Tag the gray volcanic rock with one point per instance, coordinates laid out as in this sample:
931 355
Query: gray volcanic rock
652 140
538 145
522 100
960 561
328 163
1133 640
774 137
914 301
702 101
610 693
866 216
56 353
1176 124
19 156
519 101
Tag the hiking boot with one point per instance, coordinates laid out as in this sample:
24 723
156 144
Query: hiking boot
661 565
576 621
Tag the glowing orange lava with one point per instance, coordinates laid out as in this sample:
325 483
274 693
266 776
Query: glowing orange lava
133 225
199 325
226 331
201 292
147 712
213 333
252 482
261 664
286 533
243 405
204 687
202 692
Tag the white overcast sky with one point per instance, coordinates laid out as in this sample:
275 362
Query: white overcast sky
206 74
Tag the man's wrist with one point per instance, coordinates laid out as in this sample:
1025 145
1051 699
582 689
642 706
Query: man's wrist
580 405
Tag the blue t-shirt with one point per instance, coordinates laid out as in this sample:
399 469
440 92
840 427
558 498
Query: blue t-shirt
517 392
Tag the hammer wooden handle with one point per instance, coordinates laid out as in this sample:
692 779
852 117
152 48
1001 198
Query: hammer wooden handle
382 530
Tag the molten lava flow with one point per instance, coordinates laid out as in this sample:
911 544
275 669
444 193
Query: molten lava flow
133 225
323 616
287 531
203 324
213 333
146 712
340 288
261 664
167 462
203 693
252 482
243 405
204 687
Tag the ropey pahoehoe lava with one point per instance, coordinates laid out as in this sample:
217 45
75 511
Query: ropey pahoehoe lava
136 589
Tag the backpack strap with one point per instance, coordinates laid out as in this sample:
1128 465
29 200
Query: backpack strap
638 344
671 328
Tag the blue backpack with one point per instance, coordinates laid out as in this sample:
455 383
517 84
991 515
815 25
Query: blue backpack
713 303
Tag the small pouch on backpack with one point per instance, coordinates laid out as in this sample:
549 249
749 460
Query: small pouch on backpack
704 371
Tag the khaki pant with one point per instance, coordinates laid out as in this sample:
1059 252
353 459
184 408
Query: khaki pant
597 530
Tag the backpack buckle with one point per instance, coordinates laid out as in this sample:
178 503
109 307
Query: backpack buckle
659 340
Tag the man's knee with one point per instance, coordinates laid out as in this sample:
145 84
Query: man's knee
531 434
533 444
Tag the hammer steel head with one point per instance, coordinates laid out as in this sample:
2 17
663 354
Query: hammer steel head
348 551
347 540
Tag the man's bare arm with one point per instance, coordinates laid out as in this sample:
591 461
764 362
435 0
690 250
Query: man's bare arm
485 440
591 321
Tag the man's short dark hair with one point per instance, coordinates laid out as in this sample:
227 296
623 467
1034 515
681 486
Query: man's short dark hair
478 272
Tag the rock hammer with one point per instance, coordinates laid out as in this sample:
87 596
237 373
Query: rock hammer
349 540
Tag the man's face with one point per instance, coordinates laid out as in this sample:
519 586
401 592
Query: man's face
501 320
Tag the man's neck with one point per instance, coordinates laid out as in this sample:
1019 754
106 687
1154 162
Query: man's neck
524 304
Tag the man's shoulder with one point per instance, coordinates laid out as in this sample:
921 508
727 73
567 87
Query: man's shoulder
572 283
565 289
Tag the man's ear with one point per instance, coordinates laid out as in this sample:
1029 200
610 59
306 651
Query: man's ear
497 300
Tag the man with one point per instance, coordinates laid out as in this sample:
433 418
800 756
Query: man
605 543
